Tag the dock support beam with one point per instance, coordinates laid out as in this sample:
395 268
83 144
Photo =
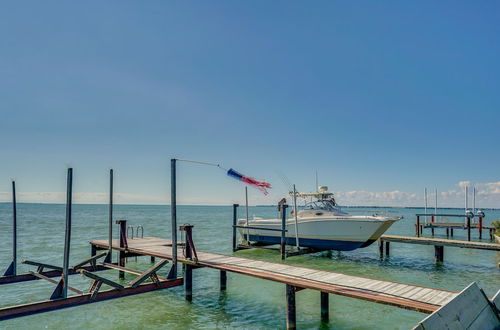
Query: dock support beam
123 245
380 247
480 227
235 220
223 280
325 308
387 248
438 254
283 231
188 282
290 307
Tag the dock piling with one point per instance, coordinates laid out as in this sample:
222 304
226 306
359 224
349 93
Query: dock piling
417 227
387 248
438 254
12 269
123 245
325 308
290 307
223 280
235 220
283 231
173 210
67 234
468 228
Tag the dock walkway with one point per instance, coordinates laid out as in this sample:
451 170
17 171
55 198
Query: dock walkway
412 297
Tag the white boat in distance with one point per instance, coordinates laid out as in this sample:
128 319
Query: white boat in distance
321 225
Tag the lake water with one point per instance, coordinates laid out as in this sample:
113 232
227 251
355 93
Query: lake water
248 302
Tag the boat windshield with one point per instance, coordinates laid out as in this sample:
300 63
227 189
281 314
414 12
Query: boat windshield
321 204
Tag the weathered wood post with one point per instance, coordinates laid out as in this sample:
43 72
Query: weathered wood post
468 228
387 248
173 210
325 308
12 269
235 221
123 246
290 307
223 280
480 227
447 232
283 231
188 268
438 253
417 227
67 234
109 257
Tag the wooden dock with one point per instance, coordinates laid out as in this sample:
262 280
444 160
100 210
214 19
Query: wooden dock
438 243
412 297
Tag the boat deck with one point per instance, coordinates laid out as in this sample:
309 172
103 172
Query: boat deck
412 297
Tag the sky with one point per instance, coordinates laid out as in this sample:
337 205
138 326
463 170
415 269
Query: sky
381 98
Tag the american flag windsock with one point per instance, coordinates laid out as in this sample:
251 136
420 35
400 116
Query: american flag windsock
261 185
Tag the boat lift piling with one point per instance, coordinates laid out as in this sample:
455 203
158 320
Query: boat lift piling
109 257
12 269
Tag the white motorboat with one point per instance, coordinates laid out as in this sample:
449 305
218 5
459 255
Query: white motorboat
321 224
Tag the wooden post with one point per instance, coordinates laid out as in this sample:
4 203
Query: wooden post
283 231
438 253
67 234
451 232
468 228
387 248
123 245
173 210
109 257
12 269
447 232
417 227
188 269
152 260
381 248
223 280
325 308
480 227
290 307
235 221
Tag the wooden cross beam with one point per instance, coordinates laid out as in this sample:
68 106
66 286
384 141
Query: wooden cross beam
151 272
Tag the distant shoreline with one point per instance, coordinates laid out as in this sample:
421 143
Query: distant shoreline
228 205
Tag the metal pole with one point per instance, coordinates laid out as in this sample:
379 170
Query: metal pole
246 208
235 219
296 218
436 205
425 193
14 233
473 199
12 269
283 228
109 257
67 236
173 210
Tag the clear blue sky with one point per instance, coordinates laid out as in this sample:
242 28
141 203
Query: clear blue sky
377 96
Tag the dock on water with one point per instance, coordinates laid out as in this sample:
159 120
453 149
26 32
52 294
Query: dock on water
438 243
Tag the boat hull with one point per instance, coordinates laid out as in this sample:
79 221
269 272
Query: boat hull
323 234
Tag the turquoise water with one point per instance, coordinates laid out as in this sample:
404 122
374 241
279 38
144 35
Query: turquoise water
248 303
